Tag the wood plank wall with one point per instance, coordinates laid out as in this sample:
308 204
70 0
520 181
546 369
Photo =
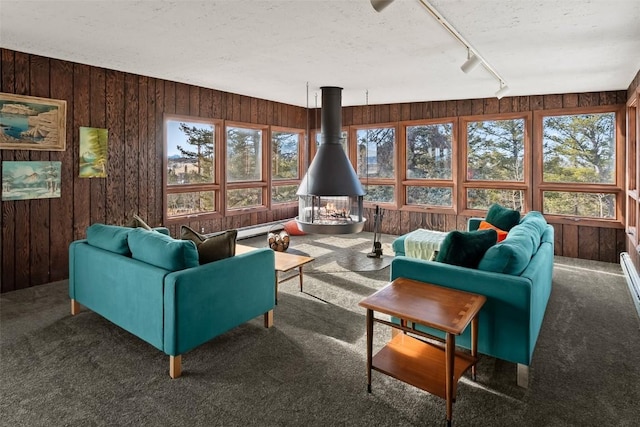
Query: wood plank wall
36 233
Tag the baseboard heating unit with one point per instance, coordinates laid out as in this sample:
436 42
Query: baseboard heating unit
631 274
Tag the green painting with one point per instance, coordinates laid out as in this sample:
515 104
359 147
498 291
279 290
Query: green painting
93 152
30 180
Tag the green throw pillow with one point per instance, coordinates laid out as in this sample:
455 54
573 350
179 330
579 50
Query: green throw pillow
466 248
213 248
501 217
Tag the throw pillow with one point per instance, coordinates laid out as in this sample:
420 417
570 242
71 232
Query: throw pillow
484 225
161 250
112 238
501 217
136 221
293 229
466 248
213 248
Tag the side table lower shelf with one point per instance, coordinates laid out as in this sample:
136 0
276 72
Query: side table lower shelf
420 363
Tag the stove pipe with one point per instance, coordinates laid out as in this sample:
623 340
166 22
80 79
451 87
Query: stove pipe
330 173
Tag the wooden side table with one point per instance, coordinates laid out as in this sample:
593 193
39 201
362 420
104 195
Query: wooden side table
434 367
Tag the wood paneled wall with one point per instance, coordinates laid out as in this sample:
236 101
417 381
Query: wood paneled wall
36 234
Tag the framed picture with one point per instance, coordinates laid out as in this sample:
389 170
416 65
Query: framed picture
24 180
93 152
31 123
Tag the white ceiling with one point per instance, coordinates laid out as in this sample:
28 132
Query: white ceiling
272 49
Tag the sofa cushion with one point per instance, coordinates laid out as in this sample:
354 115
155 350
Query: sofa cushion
484 225
466 248
501 217
513 254
161 250
112 238
213 248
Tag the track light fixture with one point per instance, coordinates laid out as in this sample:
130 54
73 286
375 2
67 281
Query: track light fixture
379 5
474 58
504 89
471 63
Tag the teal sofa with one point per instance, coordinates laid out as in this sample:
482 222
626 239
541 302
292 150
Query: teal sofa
153 286
515 275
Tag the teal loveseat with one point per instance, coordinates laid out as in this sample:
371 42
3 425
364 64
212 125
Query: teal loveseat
153 286
515 275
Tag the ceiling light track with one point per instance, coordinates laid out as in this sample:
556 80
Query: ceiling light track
473 56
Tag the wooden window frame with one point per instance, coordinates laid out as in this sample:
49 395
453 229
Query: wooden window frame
353 157
216 186
464 184
539 186
404 182
301 166
632 169
262 184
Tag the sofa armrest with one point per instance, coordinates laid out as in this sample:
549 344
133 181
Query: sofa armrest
203 302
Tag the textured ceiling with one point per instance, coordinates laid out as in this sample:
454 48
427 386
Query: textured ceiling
272 49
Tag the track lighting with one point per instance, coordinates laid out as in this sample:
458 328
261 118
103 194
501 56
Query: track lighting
504 89
379 5
471 63
473 57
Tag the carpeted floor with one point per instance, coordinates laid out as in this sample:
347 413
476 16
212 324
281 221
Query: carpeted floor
310 369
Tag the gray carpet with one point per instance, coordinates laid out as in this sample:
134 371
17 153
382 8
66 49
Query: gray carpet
310 369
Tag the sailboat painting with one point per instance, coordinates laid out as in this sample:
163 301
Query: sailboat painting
93 152
30 180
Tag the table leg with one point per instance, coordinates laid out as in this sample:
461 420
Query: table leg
474 344
369 347
300 274
450 348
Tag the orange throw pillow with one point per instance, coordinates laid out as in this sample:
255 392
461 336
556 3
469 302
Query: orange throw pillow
484 225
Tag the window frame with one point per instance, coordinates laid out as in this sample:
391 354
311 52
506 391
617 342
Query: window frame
365 182
216 186
404 183
301 166
616 188
465 184
262 183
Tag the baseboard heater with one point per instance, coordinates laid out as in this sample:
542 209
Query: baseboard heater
631 274
256 230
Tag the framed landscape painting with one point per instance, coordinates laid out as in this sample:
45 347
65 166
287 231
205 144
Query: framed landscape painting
30 180
93 152
32 123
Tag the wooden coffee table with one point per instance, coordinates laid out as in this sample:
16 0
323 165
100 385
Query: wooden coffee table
434 367
284 263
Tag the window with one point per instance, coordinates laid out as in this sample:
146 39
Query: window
245 169
376 154
579 164
496 155
286 165
192 182
429 164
